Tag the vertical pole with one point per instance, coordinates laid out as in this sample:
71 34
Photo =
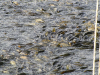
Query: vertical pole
99 57
95 34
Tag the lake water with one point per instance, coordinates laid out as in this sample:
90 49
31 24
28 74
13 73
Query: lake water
49 37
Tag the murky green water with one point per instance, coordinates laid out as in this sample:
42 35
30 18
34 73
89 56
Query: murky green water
47 37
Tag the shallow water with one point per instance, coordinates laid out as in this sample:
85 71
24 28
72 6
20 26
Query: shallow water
47 37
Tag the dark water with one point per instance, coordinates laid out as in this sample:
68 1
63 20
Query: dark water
47 37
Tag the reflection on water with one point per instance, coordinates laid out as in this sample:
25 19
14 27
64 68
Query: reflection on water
46 37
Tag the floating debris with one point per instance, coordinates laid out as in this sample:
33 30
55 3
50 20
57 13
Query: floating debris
83 67
88 71
23 57
46 34
54 30
68 67
19 46
67 54
67 71
12 62
15 2
39 21
6 71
